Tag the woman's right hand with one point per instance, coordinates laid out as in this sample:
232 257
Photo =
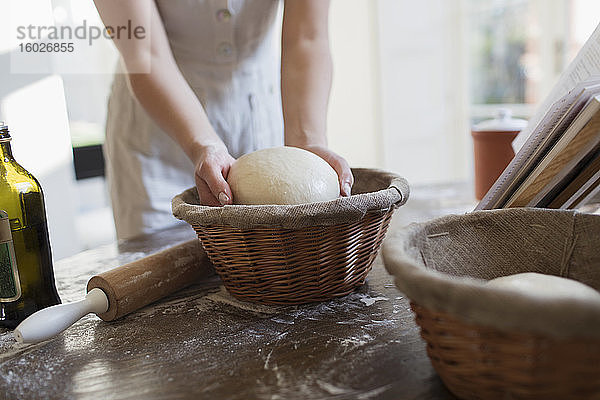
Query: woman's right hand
212 167
158 84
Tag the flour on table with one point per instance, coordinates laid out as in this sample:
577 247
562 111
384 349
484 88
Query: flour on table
356 341
369 301
222 296
332 389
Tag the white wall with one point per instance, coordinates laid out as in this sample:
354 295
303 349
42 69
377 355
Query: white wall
354 120
398 97
423 89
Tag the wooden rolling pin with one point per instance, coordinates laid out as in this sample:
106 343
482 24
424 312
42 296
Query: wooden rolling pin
122 290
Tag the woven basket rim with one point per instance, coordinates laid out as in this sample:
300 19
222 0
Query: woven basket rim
333 212
470 299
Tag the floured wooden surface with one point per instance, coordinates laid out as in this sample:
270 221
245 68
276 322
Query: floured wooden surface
203 343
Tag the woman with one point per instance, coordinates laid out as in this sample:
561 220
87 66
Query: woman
210 95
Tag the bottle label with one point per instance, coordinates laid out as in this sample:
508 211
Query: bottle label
10 287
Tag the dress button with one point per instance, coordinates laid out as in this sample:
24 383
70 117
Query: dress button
223 15
225 49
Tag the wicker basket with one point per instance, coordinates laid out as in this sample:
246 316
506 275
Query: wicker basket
491 343
297 254
478 362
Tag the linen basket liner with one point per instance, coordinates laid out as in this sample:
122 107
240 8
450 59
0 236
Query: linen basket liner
373 191
443 265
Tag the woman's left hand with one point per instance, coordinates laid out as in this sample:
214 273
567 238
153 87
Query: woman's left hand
338 163
306 71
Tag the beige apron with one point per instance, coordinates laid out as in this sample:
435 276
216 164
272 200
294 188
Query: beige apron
227 52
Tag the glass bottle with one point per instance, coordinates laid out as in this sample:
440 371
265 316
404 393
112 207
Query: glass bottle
26 273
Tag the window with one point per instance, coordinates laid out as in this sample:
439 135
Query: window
86 94
518 48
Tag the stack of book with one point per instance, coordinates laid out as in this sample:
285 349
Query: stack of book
558 165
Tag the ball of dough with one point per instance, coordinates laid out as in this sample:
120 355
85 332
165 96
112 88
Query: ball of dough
548 286
282 175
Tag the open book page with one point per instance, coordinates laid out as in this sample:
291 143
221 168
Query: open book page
566 176
580 186
585 65
554 123
590 195
584 132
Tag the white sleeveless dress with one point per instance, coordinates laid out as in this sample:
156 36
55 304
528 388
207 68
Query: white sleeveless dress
227 51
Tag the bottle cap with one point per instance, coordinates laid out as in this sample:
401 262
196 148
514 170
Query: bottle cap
503 122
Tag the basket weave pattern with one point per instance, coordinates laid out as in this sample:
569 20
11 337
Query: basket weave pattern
477 362
498 343
294 254
294 266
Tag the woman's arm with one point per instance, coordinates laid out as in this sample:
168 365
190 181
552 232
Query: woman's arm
306 71
161 89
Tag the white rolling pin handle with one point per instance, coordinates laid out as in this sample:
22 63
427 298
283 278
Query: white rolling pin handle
51 321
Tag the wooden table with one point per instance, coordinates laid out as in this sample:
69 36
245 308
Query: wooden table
202 343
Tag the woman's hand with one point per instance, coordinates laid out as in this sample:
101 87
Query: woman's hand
212 167
306 71
338 163
167 97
